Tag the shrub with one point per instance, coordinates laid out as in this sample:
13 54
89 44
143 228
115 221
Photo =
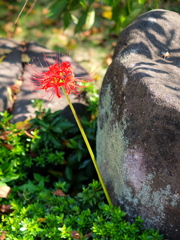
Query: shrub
40 213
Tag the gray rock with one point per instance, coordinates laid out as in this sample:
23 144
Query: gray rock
10 70
11 66
138 137
5 102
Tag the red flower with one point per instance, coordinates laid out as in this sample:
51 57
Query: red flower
59 75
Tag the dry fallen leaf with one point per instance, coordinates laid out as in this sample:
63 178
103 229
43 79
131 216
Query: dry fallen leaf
4 135
108 59
95 30
18 30
6 208
75 235
4 191
59 192
24 125
166 54
3 235
8 146
56 173
41 219
45 11
10 94
25 58
2 58
89 234
15 88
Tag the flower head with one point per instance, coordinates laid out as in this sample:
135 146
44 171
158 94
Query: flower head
58 76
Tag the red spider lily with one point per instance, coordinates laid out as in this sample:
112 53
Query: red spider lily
59 75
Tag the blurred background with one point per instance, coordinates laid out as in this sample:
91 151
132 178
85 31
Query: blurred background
87 30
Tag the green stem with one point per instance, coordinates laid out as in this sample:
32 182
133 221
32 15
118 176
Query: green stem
89 148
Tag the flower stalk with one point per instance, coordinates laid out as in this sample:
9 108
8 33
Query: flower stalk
58 79
88 147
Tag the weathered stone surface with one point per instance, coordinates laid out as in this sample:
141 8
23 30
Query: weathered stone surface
10 69
5 102
138 138
23 107
10 66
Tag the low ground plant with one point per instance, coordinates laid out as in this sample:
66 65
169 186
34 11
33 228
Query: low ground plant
41 213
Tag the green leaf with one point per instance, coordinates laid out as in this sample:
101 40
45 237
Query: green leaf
29 186
141 1
57 129
83 3
57 8
74 18
41 122
68 173
57 120
40 178
80 144
90 2
72 160
72 144
54 141
116 14
79 155
112 2
7 167
90 19
73 5
81 178
81 22
84 163
67 19
9 177
2 184
66 124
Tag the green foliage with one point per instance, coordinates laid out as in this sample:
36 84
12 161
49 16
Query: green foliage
83 13
39 211
10 160
8 168
60 147
56 148
40 214
49 125
65 9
